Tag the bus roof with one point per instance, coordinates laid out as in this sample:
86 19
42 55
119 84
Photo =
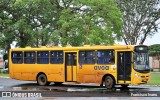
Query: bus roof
85 47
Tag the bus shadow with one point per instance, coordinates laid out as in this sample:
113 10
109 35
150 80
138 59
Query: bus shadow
75 88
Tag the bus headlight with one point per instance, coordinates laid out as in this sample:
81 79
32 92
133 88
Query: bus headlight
137 75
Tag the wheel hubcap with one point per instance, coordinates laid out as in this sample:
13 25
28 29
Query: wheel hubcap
42 80
108 82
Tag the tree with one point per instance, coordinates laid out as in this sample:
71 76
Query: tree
6 22
154 50
34 22
99 22
59 22
13 24
140 19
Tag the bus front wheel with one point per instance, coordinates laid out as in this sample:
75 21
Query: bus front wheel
109 82
42 80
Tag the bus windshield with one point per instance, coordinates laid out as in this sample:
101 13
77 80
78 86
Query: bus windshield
141 61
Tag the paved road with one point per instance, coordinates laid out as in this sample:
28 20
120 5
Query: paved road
67 91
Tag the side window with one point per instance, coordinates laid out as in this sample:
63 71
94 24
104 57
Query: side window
56 57
105 56
87 57
29 57
17 57
82 57
71 59
43 57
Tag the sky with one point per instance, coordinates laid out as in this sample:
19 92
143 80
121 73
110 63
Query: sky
150 40
155 39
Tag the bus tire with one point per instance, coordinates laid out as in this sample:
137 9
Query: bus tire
109 82
58 83
42 80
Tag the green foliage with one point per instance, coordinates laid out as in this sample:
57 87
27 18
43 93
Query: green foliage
59 22
154 50
151 69
4 75
101 17
6 22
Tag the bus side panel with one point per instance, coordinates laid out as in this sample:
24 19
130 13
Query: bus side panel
86 74
94 73
16 72
32 76
17 76
20 71
56 73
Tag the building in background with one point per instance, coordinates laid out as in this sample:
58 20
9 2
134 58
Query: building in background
156 63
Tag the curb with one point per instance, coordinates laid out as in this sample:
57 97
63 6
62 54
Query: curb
146 85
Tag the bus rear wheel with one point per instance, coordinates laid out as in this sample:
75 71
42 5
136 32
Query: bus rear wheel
42 80
109 82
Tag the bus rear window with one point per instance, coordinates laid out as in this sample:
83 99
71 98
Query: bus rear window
17 57
30 57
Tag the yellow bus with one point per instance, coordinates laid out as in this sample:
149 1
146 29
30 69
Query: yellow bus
106 65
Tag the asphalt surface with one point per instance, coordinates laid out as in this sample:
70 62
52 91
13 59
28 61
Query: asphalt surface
73 91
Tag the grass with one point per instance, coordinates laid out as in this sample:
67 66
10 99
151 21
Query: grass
1 74
154 79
